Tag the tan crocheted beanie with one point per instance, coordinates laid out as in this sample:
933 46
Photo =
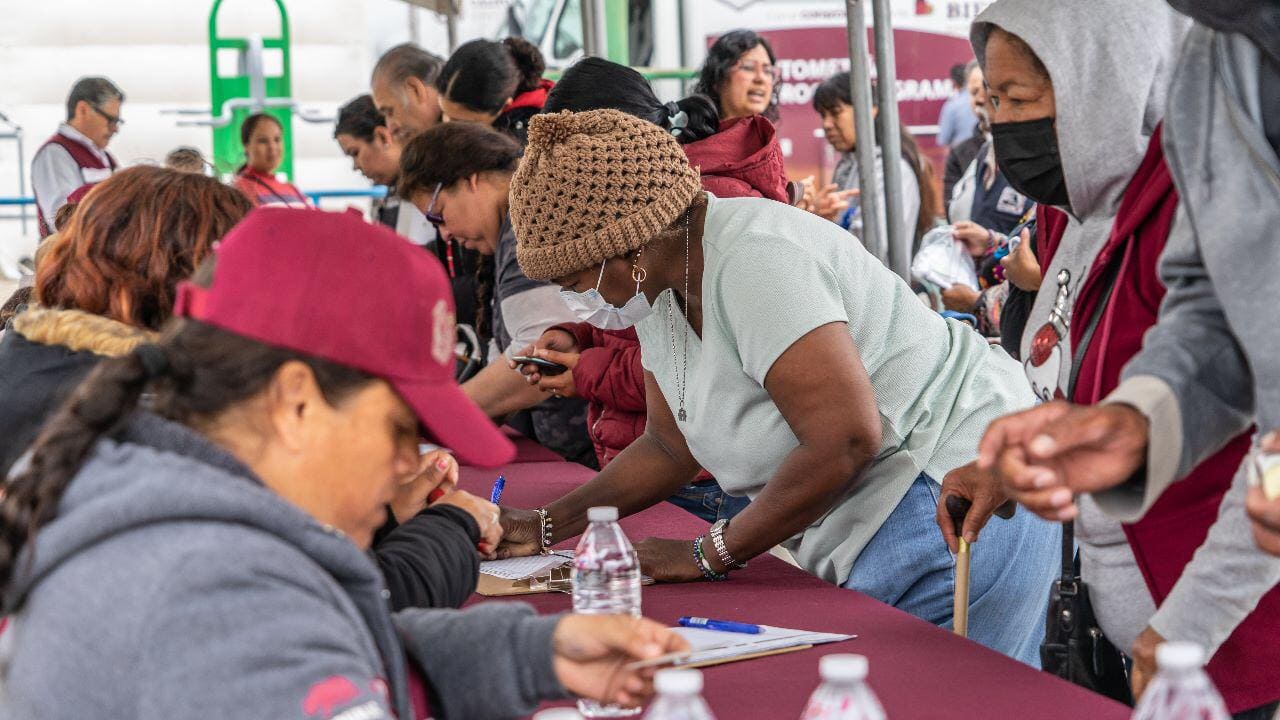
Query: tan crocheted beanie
592 186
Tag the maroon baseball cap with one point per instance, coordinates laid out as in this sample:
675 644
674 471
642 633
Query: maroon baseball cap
332 286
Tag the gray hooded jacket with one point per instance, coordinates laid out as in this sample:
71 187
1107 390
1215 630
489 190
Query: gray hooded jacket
1208 368
1109 85
172 584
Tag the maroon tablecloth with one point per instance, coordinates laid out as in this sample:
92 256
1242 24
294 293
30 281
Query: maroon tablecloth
529 451
917 669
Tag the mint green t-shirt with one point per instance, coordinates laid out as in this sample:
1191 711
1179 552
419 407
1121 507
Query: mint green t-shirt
772 274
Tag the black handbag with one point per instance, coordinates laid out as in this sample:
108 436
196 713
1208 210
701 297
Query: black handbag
1074 647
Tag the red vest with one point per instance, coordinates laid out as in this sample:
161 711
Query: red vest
85 157
1246 669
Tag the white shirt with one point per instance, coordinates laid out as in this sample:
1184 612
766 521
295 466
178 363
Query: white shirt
55 174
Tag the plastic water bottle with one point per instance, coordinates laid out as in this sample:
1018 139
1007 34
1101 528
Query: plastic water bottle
1180 690
679 697
606 581
843 694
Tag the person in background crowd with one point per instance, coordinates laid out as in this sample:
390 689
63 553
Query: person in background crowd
956 122
236 581
736 158
76 154
833 101
186 159
363 136
104 286
262 136
404 91
984 209
736 302
741 76
962 153
459 176
162 224
494 83
1187 571
403 87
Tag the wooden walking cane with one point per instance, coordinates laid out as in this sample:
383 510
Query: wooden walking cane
957 508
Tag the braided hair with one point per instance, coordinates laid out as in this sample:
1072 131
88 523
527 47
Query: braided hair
197 372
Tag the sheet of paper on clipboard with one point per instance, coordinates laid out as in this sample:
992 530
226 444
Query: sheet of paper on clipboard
523 568
712 647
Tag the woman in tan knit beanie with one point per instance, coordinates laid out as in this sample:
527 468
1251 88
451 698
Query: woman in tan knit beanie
788 362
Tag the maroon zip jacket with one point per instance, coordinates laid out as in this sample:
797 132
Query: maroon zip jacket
1246 668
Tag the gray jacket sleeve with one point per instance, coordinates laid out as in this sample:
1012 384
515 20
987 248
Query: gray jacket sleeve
1191 379
239 639
488 662
1224 581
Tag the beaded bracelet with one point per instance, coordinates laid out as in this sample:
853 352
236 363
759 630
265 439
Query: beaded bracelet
707 571
547 526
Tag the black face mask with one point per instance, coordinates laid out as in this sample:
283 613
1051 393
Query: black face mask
1027 153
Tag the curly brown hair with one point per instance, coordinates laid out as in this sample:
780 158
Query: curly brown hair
133 239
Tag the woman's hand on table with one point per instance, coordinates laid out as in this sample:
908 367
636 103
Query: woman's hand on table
669 560
485 514
436 476
591 654
521 533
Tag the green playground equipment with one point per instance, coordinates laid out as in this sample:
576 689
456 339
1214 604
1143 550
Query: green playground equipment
239 86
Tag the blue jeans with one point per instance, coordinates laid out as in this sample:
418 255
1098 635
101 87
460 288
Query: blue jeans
708 501
908 565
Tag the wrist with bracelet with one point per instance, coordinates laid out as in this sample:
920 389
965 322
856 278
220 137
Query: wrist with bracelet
722 551
708 572
545 528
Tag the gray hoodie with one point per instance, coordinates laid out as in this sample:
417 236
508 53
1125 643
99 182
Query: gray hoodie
1110 61
172 584
1208 368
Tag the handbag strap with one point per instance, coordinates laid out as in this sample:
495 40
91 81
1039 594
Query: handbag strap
1069 573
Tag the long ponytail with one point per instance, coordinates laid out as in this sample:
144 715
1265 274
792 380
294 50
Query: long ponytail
597 84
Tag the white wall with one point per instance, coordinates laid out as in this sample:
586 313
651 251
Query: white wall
157 52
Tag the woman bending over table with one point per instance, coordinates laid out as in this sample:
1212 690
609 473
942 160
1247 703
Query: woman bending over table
788 362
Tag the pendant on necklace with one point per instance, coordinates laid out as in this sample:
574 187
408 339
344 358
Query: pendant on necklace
682 416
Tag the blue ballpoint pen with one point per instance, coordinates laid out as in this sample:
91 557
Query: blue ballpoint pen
498 486
721 625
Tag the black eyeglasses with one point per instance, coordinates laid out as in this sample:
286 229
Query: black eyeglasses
433 217
112 120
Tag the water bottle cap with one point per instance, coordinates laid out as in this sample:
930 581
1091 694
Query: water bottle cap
678 682
843 668
1179 656
602 514
558 714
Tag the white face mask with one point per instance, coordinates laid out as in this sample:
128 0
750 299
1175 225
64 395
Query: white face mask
591 307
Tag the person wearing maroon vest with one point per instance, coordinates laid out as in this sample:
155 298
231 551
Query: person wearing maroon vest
76 155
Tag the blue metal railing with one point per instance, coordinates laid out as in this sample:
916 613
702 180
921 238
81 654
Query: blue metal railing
376 192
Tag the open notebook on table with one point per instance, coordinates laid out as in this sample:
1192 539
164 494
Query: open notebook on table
712 647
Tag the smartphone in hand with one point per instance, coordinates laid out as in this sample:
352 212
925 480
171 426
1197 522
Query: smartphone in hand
545 367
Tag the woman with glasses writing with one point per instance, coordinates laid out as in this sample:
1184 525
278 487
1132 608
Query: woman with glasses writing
263 138
459 175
